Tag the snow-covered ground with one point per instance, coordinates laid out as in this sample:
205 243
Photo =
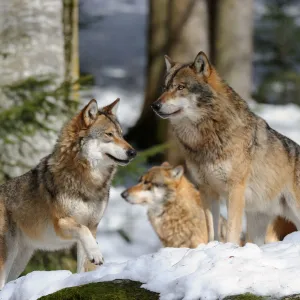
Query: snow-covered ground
211 271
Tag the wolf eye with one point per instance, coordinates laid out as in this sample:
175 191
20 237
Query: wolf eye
180 87
109 134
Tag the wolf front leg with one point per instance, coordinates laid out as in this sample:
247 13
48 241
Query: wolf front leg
235 209
81 258
88 266
211 206
68 228
83 264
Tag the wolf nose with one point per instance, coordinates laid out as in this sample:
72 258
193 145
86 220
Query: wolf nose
124 194
156 105
131 153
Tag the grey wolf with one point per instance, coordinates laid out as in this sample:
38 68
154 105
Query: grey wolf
61 201
231 153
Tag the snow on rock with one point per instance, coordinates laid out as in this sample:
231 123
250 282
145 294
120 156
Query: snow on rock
32 283
211 271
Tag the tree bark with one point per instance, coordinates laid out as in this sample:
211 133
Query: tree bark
233 44
31 39
146 133
32 45
71 44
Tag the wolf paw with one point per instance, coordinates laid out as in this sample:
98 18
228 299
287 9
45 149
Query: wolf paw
95 256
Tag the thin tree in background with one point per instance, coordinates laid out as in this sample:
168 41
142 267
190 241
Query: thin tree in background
71 46
29 69
233 44
146 132
179 29
189 35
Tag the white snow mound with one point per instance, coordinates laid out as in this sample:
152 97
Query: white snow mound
211 271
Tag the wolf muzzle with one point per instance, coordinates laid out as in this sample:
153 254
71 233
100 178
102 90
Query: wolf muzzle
131 153
156 106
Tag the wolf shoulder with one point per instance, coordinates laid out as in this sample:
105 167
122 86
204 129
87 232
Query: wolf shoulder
268 140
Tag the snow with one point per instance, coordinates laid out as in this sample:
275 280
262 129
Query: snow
210 271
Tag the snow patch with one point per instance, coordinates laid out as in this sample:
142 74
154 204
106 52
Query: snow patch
211 271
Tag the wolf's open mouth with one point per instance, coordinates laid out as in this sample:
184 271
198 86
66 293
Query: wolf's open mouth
168 115
126 161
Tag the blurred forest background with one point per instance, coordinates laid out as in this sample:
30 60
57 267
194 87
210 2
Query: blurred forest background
57 54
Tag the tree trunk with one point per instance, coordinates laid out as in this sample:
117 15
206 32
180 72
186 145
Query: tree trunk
32 45
146 132
71 44
31 39
233 44
179 29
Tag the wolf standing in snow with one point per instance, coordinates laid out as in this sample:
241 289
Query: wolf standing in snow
230 152
62 200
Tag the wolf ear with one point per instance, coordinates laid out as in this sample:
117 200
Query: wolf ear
90 112
201 64
112 108
165 164
177 172
169 63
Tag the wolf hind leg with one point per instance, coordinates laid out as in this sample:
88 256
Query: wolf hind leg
8 253
216 218
209 219
257 224
81 258
3 264
20 262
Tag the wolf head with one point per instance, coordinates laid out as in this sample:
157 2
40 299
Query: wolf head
101 135
156 186
189 89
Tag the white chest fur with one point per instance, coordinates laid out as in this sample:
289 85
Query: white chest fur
213 175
